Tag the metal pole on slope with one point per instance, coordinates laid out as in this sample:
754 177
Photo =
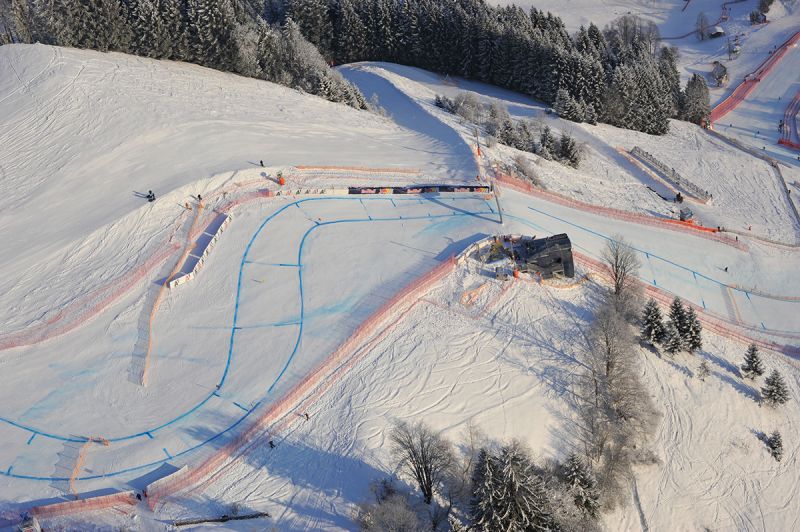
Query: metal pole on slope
497 201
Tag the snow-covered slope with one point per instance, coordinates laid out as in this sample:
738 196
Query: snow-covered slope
293 277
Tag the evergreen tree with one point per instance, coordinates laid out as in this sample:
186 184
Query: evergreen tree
775 392
312 17
351 34
24 24
509 495
211 29
694 337
696 103
672 339
653 329
677 317
583 485
752 367
568 150
668 67
567 108
547 144
775 445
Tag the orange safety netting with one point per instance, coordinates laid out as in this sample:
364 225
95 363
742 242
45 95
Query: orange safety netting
84 505
751 80
307 390
674 225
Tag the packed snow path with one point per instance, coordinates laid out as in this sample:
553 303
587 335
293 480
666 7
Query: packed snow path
283 299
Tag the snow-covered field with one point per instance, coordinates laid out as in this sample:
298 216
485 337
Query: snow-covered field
292 277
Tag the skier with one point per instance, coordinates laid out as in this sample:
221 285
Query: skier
271 444
262 163
199 198
726 269
150 196
306 414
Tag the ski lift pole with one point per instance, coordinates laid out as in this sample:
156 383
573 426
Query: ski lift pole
496 192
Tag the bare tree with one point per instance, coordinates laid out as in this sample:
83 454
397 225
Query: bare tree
423 454
392 513
623 264
617 413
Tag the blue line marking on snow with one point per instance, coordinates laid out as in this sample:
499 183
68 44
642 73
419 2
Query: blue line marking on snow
31 438
593 232
763 326
748 296
244 260
8 471
703 301
166 452
240 406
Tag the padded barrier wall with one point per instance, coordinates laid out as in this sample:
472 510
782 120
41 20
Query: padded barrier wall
319 376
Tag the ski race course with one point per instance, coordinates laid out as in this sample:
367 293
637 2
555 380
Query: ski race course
120 382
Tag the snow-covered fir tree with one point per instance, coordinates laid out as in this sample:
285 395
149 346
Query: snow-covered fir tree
568 150
547 144
775 392
567 107
672 342
653 329
775 445
695 102
508 494
583 485
753 366
693 341
677 317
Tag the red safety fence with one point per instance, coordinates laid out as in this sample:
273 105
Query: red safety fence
315 382
710 321
673 225
86 307
84 505
751 80
790 136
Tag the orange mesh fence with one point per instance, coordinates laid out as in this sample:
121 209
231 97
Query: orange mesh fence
159 297
673 225
790 136
710 321
322 376
86 307
84 505
751 80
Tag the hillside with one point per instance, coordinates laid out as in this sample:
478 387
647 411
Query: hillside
296 311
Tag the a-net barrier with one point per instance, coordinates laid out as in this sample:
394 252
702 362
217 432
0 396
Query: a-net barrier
751 80
710 321
103 502
86 307
790 136
322 376
673 225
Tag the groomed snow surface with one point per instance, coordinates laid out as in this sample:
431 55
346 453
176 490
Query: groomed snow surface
292 277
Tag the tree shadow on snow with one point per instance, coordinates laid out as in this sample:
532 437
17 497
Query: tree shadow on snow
328 474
